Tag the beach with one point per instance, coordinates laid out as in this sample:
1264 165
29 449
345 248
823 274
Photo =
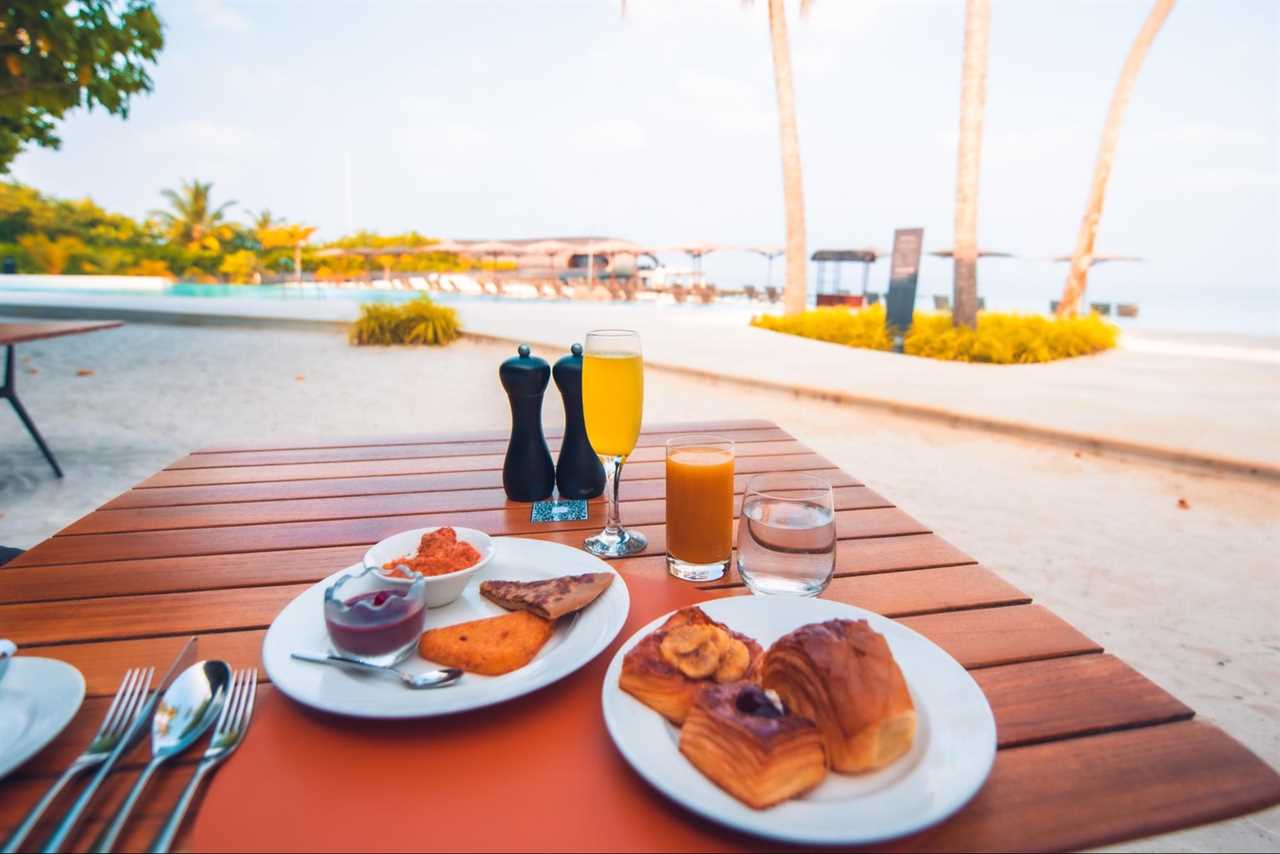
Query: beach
1185 595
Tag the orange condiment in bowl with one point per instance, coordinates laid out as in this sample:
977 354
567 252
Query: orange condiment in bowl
439 553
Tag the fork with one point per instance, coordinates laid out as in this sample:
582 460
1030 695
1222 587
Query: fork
228 734
121 713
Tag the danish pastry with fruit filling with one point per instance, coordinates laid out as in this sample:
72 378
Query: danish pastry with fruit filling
748 745
665 670
841 675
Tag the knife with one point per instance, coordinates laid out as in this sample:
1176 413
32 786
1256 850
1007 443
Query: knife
131 737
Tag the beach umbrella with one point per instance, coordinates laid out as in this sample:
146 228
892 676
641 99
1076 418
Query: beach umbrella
1102 258
696 249
769 252
550 248
950 252
495 248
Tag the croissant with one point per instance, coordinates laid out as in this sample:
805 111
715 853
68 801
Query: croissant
751 748
842 675
665 669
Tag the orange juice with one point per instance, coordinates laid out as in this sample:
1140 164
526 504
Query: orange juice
612 401
700 504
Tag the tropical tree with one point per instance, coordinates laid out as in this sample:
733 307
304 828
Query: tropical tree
795 289
60 55
263 220
1082 258
192 220
973 101
293 236
51 256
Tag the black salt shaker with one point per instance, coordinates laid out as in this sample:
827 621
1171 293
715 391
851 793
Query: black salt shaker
579 473
528 473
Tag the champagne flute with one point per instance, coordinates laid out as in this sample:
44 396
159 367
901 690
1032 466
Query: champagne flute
612 403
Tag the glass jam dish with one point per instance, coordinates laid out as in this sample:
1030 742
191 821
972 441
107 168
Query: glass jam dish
373 620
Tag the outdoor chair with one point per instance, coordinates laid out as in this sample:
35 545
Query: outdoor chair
772 293
708 295
982 303
1053 306
7 554
1102 308
679 293
1127 309
750 292
941 302
872 299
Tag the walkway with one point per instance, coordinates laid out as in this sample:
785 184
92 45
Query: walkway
1214 405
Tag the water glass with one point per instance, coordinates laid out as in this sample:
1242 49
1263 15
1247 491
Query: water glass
787 535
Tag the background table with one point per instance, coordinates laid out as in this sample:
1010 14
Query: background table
12 334
1091 752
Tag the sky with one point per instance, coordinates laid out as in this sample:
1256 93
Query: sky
529 119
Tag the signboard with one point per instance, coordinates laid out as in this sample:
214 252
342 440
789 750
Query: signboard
904 271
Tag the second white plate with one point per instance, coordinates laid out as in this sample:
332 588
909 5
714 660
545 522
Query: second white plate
577 639
38 698
954 746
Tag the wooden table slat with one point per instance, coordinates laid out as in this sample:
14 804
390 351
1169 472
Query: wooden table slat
19 333
272 443
652 459
469 447
252 569
317 509
443 482
1088 792
348 532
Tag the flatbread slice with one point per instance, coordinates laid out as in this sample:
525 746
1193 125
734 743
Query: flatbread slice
492 646
550 599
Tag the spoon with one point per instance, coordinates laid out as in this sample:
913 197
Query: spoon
441 678
189 707
8 649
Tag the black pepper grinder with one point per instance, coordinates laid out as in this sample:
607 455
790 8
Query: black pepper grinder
579 473
527 473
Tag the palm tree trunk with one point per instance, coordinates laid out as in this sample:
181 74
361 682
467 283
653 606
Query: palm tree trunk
795 289
973 103
1082 258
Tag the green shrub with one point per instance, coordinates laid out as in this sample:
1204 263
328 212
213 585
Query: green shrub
419 321
1001 339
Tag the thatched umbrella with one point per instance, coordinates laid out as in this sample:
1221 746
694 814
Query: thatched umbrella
1102 258
550 248
696 249
496 248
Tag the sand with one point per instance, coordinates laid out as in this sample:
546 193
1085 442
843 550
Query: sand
1187 596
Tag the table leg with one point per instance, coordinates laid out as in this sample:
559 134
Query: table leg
10 391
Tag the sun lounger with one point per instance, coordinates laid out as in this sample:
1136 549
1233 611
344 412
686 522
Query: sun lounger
1102 308
1127 309
418 283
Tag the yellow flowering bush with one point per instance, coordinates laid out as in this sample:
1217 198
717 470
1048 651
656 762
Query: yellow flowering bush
419 321
1002 339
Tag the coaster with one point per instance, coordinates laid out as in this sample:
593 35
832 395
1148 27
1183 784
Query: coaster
558 511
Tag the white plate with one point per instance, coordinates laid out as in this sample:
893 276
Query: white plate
38 698
954 747
578 639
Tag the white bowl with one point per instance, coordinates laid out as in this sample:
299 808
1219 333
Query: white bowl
441 589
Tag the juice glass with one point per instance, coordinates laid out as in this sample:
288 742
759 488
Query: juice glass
612 405
699 507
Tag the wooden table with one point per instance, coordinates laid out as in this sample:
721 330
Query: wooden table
1090 751
12 334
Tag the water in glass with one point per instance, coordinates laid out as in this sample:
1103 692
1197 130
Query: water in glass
787 542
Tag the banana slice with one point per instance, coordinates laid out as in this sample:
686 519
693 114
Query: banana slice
734 663
685 640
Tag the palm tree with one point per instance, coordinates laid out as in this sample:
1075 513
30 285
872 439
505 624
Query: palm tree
263 220
294 235
795 289
192 220
973 102
1082 258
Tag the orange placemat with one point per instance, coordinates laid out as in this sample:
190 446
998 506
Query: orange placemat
537 773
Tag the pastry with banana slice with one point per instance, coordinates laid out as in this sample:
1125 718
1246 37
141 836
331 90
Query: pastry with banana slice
666 669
